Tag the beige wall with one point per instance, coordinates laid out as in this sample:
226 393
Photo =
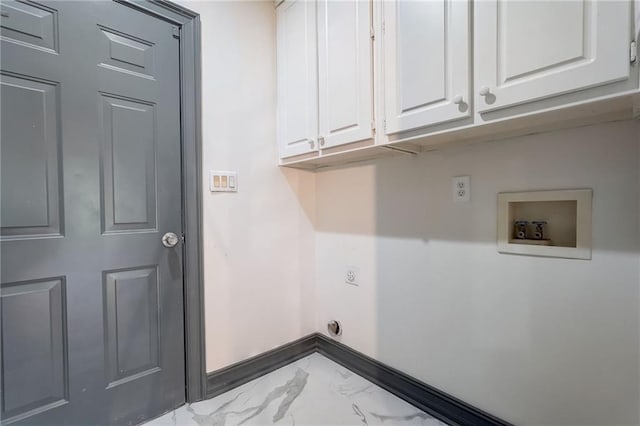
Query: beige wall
258 243
537 341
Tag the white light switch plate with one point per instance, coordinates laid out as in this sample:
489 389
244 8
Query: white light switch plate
221 181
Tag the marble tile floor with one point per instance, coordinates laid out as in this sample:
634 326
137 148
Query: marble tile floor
311 391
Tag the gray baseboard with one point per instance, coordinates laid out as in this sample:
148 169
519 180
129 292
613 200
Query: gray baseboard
427 398
237 374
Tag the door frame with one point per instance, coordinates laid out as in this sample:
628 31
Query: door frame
188 23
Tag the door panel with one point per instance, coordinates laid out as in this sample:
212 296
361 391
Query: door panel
426 59
297 78
30 155
35 368
531 50
345 71
517 18
128 164
131 324
100 120
30 24
126 53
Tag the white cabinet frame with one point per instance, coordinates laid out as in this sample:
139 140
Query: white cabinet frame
427 63
595 51
345 69
297 78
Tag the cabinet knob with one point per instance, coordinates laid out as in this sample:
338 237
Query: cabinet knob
311 143
485 91
321 140
458 99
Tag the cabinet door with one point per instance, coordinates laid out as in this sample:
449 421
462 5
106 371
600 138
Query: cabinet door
345 71
426 62
297 78
531 50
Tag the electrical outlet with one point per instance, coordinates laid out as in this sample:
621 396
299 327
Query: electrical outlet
462 188
352 275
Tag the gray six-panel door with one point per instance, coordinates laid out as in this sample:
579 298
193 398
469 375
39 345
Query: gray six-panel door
91 299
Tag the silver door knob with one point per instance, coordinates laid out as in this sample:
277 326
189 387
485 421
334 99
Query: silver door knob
169 239
311 143
458 99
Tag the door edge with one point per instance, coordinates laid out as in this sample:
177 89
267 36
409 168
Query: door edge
188 24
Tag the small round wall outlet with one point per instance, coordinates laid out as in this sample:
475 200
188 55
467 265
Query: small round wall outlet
334 328
351 275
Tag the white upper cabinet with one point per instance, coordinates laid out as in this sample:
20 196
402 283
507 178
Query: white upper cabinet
435 71
531 50
427 71
297 78
345 71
